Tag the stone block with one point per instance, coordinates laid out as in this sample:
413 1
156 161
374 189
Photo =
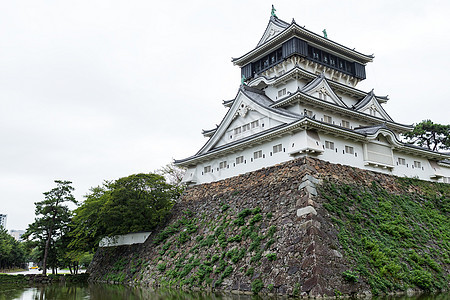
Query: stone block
310 178
306 210
311 190
305 184
309 284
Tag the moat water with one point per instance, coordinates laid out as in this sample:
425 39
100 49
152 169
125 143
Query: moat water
116 292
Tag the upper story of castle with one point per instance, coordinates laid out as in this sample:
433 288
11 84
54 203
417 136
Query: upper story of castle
284 47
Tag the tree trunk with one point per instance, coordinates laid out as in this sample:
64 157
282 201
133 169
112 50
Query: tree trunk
47 246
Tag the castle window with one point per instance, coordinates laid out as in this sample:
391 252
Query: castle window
417 164
277 148
308 113
223 164
282 92
207 169
345 124
327 119
237 130
329 145
401 161
257 154
254 124
246 127
349 150
239 160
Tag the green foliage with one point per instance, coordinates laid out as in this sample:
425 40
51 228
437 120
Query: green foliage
12 253
396 240
430 135
271 256
270 287
135 203
52 224
422 279
225 207
225 239
257 286
256 218
350 276
161 267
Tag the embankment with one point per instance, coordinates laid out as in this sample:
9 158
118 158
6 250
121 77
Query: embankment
305 227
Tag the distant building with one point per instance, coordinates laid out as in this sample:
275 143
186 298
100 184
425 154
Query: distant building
298 97
3 221
17 234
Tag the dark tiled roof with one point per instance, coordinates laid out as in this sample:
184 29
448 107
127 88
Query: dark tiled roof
370 129
260 97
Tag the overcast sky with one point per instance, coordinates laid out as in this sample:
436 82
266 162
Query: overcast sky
98 90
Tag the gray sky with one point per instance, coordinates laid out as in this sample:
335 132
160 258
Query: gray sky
98 90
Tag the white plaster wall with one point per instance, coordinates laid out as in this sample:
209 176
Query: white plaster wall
337 156
127 239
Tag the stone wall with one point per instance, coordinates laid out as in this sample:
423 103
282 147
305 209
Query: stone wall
265 231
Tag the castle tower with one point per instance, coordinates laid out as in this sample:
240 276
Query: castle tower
298 97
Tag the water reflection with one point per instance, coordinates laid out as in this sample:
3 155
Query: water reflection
113 292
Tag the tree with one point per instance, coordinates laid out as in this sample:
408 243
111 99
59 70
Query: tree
430 135
12 253
135 203
51 222
173 174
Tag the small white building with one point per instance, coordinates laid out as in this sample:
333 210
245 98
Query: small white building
17 234
3 220
126 239
298 97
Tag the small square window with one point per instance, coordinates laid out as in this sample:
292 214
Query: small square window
237 130
417 164
223 164
255 124
277 148
257 154
329 145
345 124
282 92
308 113
245 127
239 160
327 119
207 169
349 150
401 161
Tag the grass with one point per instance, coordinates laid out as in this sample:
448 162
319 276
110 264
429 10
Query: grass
396 241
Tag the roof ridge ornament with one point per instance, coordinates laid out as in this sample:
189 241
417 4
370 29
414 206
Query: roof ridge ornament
325 33
272 13
243 79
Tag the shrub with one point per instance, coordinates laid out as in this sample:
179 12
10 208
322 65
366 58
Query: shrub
227 272
350 276
271 256
256 218
422 279
257 286
161 267
250 271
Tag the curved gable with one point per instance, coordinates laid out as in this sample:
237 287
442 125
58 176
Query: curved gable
274 28
320 88
251 113
371 106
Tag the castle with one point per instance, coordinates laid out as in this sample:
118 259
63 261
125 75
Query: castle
298 97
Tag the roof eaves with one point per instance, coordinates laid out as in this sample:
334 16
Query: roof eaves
297 94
